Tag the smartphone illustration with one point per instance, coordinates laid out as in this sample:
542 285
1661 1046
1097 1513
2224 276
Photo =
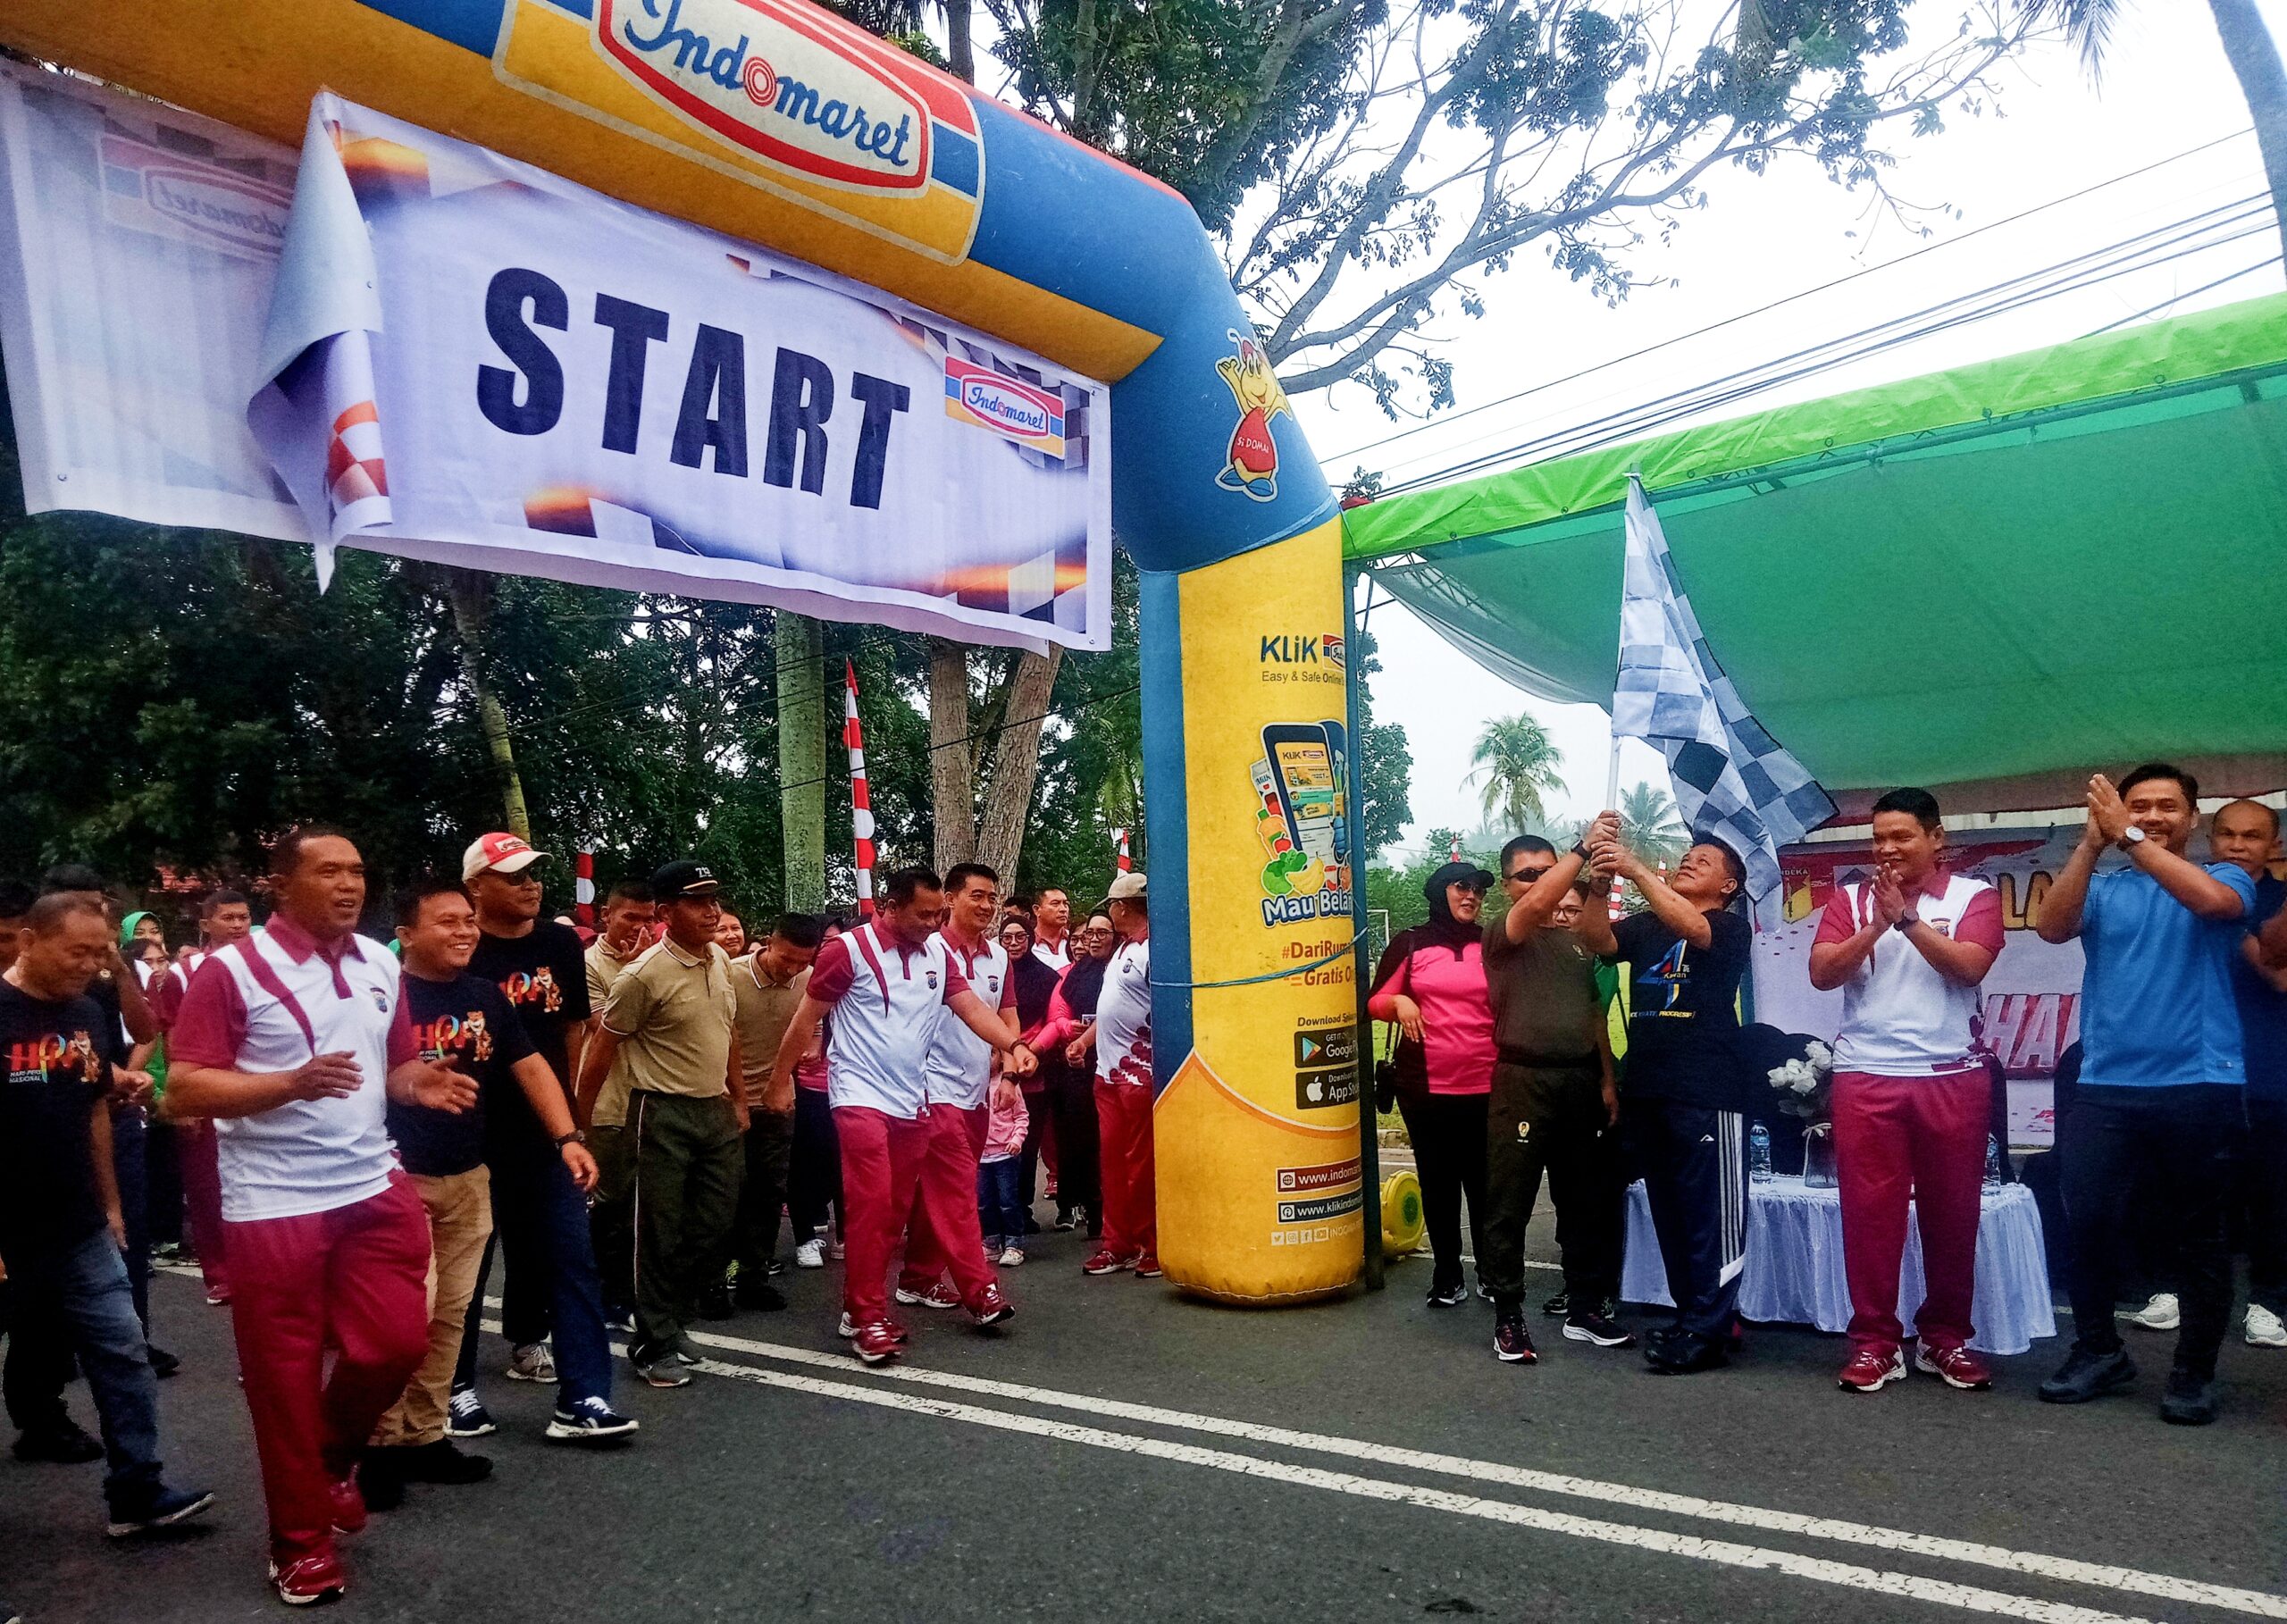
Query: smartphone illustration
1338 738
1303 766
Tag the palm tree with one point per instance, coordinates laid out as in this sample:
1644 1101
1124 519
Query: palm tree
1649 824
2248 47
1518 765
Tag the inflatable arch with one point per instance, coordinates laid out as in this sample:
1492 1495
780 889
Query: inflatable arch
777 123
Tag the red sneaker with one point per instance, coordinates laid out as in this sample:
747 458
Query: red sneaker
348 1504
308 1580
848 1328
1956 1367
992 1308
1147 1266
876 1341
1106 1262
940 1295
1872 1370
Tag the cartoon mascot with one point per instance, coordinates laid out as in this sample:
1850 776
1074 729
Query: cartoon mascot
1252 466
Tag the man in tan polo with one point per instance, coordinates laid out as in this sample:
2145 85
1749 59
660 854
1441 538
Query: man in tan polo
666 1043
626 936
768 984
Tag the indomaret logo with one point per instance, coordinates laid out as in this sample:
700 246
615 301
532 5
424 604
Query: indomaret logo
772 79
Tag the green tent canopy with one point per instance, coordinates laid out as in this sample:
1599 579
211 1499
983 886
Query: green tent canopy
1991 581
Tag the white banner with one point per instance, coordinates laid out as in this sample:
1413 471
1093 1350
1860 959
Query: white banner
2030 1001
455 358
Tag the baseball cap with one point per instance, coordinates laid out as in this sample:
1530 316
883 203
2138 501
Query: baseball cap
683 878
500 851
1125 888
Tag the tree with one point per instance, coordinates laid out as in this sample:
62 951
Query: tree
1382 760
1649 824
2248 47
1517 764
1367 164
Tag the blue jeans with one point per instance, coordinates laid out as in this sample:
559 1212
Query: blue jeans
999 1206
542 1218
81 1294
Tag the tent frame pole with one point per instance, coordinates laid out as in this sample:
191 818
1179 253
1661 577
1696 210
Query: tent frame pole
1369 1144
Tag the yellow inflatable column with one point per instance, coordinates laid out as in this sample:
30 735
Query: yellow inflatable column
1256 1128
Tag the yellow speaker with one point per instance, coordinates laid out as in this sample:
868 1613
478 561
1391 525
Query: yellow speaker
1401 1214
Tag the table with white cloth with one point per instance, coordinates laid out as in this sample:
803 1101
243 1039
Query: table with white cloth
1794 1271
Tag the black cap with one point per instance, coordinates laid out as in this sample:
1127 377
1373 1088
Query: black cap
685 878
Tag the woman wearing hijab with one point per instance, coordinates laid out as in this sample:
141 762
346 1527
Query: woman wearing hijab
1430 983
1072 1089
1036 984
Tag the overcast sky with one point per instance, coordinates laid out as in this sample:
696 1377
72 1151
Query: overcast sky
2165 89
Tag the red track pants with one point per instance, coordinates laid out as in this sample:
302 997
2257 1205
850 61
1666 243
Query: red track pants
201 1201
944 1232
1130 1198
1921 1139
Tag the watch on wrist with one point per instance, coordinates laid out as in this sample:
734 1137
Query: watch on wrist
576 1136
1580 851
1907 922
2130 838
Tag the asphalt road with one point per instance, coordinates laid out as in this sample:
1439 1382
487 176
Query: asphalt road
1122 1453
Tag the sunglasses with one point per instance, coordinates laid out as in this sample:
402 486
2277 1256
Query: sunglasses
1527 877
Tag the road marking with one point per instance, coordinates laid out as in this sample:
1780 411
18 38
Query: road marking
1910 1586
2027 1563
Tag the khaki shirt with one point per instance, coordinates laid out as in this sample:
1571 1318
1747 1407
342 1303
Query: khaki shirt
766 1009
604 968
672 1012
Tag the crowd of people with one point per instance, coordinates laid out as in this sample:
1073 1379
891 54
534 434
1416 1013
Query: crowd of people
1503 1072
620 1123
362 1131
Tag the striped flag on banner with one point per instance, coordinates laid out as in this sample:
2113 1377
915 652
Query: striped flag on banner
861 806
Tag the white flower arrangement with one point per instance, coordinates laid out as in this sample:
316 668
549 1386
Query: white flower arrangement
1802 1084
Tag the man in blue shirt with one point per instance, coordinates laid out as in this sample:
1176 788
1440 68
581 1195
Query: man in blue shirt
2246 832
2162 1076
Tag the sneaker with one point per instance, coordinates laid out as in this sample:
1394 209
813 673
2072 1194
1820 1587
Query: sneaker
2264 1330
758 1296
772 1269
658 1365
849 1328
2088 1375
874 1343
1147 1266
2160 1314
1870 1369
589 1420
1558 1306
1449 1296
992 1307
1064 1219
1512 1344
714 1302
1011 1257
620 1320
348 1504
65 1443
532 1363
378 1482
1599 1329
162 1363
688 1352
1685 1354
1956 1367
2189 1399
308 1580
937 1294
465 1416
810 1254
1106 1261
159 1508
438 1462
218 1297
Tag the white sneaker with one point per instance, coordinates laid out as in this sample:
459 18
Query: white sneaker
2264 1328
848 1327
834 1251
532 1363
1011 1259
810 1254
2160 1314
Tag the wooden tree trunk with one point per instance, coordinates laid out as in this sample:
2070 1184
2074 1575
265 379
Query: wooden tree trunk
468 594
800 645
960 49
1015 765
952 761
2254 56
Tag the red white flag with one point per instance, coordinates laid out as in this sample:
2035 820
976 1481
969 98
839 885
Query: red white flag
861 806
1125 864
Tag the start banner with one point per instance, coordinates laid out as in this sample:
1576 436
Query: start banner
464 359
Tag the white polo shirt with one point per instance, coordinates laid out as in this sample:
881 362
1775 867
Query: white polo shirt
886 999
272 1003
959 1066
1900 1017
1058 957
1124 1016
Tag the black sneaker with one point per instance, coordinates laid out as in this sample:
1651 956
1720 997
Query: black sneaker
759 1295
1512 1344
658 1365
1685 1354
1558 1306
2189 1399
714 1302
438 1462
2087 1375
465 1416
1598 1327
162 1363
65 1443
589 1420
1449 1296
159 1508
1064 1218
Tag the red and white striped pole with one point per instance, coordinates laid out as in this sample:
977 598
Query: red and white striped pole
861 806
583 887
1454 856
1125 864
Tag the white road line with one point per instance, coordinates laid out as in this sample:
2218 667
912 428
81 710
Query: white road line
1909 1586
2028 1563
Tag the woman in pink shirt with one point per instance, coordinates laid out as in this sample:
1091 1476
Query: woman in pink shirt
1430 983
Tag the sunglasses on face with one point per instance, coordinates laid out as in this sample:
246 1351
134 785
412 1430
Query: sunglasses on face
1527 877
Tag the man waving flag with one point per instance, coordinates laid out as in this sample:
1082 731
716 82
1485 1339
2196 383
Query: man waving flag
1732 780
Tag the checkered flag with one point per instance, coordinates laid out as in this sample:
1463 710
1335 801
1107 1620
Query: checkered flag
1731 779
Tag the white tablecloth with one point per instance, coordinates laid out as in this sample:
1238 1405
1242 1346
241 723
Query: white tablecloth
1794 1271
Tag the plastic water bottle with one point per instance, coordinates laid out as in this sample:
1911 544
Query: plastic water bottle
1992 1162
1759 1154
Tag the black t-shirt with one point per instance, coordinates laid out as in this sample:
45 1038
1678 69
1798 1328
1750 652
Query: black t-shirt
466 1023
544 975
113 1039
59 1069
1682 1019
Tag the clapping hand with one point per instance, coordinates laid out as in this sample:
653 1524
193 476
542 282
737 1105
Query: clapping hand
1888 898
2107 813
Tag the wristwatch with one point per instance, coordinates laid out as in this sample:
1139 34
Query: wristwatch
2130 838
1580 851
1907 922
574 1137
